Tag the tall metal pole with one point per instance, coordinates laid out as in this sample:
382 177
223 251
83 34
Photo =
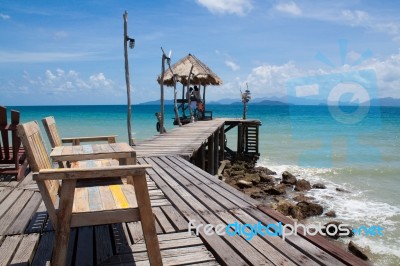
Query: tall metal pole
128 85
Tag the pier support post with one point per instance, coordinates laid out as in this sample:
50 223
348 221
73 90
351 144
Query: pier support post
210 159
221 143
240 139
216 152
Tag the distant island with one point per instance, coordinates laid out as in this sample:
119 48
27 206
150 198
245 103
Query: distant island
275 101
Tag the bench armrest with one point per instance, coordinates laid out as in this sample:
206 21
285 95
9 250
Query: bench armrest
87 173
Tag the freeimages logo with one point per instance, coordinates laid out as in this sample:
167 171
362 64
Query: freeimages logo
249 231
346 108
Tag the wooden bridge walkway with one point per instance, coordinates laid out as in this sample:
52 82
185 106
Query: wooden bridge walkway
183 141
180 192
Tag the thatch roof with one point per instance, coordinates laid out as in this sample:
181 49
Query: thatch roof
201 73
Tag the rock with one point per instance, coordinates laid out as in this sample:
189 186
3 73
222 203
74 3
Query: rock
238 166
276 190
356 250
244 184
308 209
302 185
331 213
342 190
288 178
265 170
227 172
319 186
267 178
334 232
254 178
285 207
302 197
236 173
257 195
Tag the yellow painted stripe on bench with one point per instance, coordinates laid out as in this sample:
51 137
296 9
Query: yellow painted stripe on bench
119 197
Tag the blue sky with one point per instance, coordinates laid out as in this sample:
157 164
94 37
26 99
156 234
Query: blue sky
71 52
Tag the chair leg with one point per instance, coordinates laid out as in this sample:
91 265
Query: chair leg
147 219
63 222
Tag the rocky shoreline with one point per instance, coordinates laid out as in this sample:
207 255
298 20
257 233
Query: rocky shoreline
285 193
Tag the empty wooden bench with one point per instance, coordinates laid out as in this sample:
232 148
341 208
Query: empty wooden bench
70 205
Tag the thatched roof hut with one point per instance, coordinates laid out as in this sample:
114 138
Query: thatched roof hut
201 74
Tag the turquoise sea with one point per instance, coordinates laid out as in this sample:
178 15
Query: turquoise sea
361 155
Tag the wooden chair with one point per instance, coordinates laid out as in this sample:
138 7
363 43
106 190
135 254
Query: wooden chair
49 124
71 206
11 156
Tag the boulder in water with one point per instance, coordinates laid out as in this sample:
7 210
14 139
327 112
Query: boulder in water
302 185
319 186
356 250
288 178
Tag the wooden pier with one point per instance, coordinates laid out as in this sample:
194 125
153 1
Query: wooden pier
180 192
204 143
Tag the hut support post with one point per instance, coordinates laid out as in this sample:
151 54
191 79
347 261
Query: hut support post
210 155
189 96
127 78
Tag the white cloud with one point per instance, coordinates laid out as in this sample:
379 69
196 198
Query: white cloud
232 65
4 16
290 7
356 17
60 81
238 7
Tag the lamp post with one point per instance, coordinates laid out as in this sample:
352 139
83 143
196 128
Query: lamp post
128 85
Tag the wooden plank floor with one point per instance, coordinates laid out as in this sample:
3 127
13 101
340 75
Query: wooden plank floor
180 192
183 141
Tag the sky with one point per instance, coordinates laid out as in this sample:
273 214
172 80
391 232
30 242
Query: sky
71 52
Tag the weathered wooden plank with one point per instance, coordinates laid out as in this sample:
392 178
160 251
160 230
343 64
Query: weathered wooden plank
8 249
26 250
4 193
177 219
163 220
12 213
107 198
95 203
119 196
103 243
84 246
130 196
136 232
44 250
81 200
9 201
25 215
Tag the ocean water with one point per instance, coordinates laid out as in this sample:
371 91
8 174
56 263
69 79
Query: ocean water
347 148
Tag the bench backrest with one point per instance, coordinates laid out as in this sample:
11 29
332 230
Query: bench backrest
5 145
49 125
37 157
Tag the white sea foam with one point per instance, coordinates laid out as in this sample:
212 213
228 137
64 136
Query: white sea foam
353 208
